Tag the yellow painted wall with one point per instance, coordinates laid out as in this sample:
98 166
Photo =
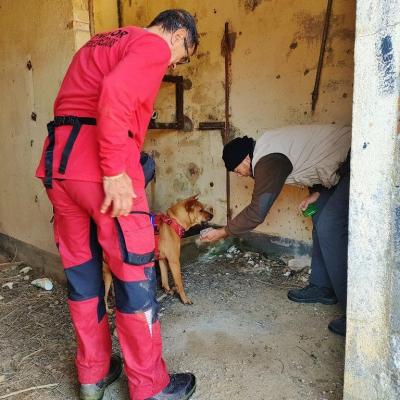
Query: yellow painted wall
47 32
273 70
105 15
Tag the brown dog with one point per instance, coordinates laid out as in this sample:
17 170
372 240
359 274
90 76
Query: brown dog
178 219
186 213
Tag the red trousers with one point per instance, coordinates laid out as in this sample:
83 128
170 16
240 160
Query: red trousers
83 235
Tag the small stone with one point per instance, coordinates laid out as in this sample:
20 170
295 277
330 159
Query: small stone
230 256
26 278
2 378
287 274
25 270
232 249
1 298
299 263
8 285
43 283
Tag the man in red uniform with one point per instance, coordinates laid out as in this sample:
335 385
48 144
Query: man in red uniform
91 168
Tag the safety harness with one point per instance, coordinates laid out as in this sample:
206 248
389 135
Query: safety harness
76 123
159 219
156 221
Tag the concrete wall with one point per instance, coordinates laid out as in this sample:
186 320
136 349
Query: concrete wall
373 315
273 71
46 33
274 61
105 15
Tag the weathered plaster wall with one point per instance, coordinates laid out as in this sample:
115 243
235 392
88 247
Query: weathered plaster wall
373 312
273 70
105 15
46 33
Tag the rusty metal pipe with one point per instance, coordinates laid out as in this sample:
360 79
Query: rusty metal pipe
120 13
315 93
224 127
228 64
91 18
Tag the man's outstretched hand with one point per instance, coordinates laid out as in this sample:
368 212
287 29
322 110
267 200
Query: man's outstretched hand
213 235
312 198
119 193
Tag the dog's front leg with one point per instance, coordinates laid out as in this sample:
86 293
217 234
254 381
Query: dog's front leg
164 277
107 277
175 267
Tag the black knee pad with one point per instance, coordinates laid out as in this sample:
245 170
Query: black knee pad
137 297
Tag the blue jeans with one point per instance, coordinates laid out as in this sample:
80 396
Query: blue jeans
330 240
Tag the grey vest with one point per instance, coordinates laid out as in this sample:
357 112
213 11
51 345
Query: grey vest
315 151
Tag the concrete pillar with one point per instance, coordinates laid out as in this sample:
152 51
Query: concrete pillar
373 339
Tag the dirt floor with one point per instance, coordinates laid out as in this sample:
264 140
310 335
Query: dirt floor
242 338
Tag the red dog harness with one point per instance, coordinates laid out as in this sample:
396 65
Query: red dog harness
165 219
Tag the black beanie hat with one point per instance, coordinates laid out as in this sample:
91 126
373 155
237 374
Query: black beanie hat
236 151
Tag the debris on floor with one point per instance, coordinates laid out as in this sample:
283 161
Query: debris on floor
242 337
299 263
43 283
25 270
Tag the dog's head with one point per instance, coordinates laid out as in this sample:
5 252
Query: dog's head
191 212
196 211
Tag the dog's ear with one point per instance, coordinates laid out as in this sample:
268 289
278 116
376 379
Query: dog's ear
190 203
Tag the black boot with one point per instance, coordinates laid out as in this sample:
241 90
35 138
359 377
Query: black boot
338 326
313 294
95 391
181 387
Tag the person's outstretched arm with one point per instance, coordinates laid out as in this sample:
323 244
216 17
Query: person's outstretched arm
270 175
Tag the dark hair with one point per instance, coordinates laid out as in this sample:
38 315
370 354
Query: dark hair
172 20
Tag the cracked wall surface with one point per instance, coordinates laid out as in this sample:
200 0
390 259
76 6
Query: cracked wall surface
274 64
38 41
373 312
273 68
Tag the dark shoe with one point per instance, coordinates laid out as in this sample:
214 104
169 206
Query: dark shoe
338 326
181 387
313 294
95 391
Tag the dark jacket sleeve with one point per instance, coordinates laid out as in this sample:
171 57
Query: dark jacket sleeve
270 175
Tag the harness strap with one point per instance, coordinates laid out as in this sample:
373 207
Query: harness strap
76 127
48 160
166 219
76 123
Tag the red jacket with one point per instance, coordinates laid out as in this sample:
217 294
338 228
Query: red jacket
114 78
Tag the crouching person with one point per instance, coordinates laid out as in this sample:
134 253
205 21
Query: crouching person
316 156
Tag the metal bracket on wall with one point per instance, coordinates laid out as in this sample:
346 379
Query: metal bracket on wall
179 124
225 127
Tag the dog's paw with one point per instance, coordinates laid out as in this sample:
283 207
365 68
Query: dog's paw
186 301
169 292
